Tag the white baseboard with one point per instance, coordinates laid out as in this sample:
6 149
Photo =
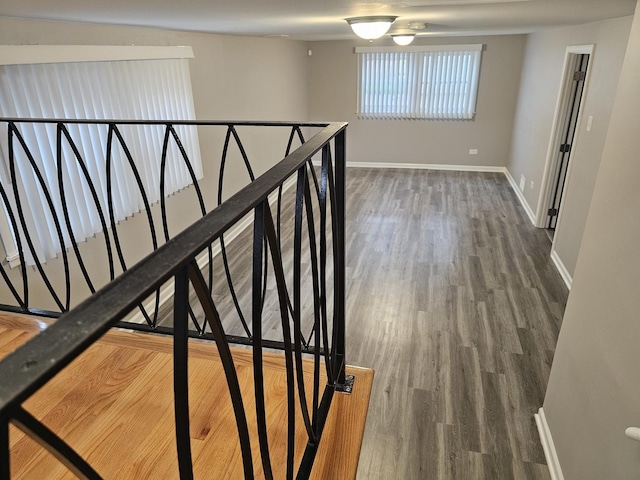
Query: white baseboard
427 166
166 292
523 201
548 446
564 273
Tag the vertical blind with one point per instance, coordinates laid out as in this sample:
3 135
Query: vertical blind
432 82
127 90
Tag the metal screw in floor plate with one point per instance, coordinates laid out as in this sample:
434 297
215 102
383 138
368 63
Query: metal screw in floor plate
347 386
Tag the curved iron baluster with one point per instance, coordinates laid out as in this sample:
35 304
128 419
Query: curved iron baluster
200 287
113 128
13 131
297 300
163 165
5 461
298 130
61 129
309 162
316 303
294 129
313 252
163 209
223 248
323 264
200 199
270 234
338 203
53 444
338 370
245 159
23 302
14 292
258 376
181 372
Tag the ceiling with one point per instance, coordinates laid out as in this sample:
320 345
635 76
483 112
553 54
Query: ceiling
324 19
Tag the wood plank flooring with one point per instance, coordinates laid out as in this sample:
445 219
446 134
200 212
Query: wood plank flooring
114 406
454 302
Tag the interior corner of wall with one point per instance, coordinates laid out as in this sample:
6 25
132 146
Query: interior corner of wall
520 196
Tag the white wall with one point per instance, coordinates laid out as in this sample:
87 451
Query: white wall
594 387
541 78
333 90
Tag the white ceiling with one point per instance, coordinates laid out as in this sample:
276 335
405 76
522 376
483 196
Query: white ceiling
324 19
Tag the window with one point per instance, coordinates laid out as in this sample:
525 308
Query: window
421 82
136 89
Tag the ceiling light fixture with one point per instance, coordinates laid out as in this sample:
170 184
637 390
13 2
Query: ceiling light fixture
372 27
403 39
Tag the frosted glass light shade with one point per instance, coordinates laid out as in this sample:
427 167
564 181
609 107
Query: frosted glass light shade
403 39
370 28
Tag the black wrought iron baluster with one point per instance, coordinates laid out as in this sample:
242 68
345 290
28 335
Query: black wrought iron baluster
298 130
270 234
339 226
201 203
163 208
200 287
297 299
181 372
223 248
113 129
256 315
243 152
13 131
9 284
42 435
323 198
252 177
163 165
337 219
308 457
62 130
5 457
295 129
22 302
313 254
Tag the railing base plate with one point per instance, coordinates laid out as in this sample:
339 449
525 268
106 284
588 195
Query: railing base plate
347 386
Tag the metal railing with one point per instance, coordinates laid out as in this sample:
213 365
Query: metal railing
318 236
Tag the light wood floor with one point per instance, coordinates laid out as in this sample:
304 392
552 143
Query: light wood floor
113 405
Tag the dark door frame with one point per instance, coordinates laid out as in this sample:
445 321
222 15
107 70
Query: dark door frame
562 111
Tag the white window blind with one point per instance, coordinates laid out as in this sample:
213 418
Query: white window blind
430 82
133 90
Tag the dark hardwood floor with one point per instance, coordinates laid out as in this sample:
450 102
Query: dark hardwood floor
454 302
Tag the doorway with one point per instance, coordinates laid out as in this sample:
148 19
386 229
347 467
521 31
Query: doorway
564 135
568 135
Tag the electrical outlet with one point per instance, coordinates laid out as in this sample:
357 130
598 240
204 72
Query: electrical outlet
522 182
531 185
473 151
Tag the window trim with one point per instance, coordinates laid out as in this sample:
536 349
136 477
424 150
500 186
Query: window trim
33 54
422 48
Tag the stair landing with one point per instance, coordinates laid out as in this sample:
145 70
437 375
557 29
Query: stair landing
114 406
